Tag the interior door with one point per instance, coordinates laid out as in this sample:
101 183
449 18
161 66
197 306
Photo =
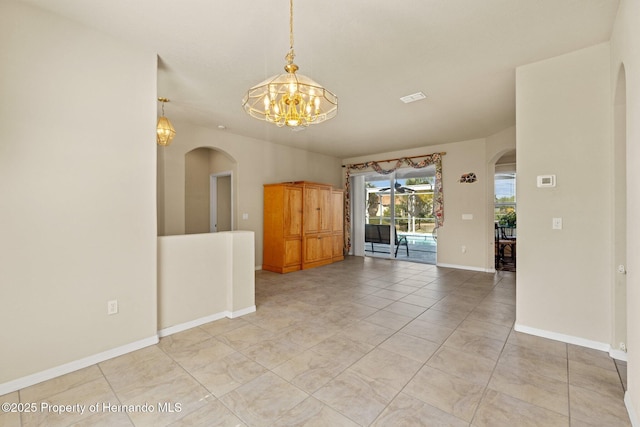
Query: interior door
213 201
220 202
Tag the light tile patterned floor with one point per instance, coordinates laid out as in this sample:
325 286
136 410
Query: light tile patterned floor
361 342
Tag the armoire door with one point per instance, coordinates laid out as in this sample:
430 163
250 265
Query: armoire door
293 212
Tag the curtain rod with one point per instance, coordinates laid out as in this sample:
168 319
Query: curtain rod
394 160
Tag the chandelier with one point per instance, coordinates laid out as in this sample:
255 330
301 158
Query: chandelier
290 99
164 130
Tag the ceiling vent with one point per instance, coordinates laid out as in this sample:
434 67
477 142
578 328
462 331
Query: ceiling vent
413 97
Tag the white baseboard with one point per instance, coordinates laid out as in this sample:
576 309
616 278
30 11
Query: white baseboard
618 354
190 324
613 353
466 267
234 314
201 321
258 267
569 339
633 416
48 374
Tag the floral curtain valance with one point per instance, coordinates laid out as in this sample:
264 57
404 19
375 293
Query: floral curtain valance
427 160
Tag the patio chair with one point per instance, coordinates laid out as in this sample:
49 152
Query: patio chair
385 234
505 238
378 233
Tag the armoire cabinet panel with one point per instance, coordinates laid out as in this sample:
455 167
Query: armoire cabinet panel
302 226
337 253
325 210
282 238
318 250
292 252
293 212
311 209
317 208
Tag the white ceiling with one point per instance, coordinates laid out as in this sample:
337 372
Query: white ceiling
461 53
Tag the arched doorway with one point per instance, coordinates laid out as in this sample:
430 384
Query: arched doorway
208 193
504 212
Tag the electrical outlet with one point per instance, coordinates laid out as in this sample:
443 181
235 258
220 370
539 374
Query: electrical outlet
464 249
112 307
557 224
623 347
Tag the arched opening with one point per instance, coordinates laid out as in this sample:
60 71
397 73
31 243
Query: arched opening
504 212
208 193
620 218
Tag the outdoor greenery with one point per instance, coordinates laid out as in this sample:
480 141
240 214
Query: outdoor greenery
505 210
505 198
413 211
508 219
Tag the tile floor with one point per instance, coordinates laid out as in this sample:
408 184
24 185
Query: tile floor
361 342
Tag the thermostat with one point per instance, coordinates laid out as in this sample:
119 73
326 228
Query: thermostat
546 181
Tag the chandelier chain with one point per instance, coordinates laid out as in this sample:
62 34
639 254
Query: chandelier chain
291 24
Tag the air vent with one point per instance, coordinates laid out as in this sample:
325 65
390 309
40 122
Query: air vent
413 97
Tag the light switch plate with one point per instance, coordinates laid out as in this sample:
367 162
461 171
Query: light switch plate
557 224
546 181
467 216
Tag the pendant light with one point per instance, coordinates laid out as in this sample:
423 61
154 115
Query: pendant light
290 99
164 130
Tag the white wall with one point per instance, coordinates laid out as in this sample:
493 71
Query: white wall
258 163
625 49
78 179
564 128
204 277
197 192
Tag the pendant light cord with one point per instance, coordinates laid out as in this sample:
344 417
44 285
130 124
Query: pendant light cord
289 57
291 24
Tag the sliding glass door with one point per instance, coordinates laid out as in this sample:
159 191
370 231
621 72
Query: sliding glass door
398 217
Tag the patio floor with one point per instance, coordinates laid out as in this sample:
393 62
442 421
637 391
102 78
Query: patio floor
422 248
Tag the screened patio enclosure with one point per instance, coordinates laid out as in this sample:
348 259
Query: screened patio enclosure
398 215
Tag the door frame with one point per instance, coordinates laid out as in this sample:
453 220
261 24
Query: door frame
359 215
213 200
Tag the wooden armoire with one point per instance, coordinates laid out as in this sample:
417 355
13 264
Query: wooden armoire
303 226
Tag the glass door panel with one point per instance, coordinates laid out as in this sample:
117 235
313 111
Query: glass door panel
378 216
399 220
414 219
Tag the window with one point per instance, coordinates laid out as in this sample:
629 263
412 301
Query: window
505 194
